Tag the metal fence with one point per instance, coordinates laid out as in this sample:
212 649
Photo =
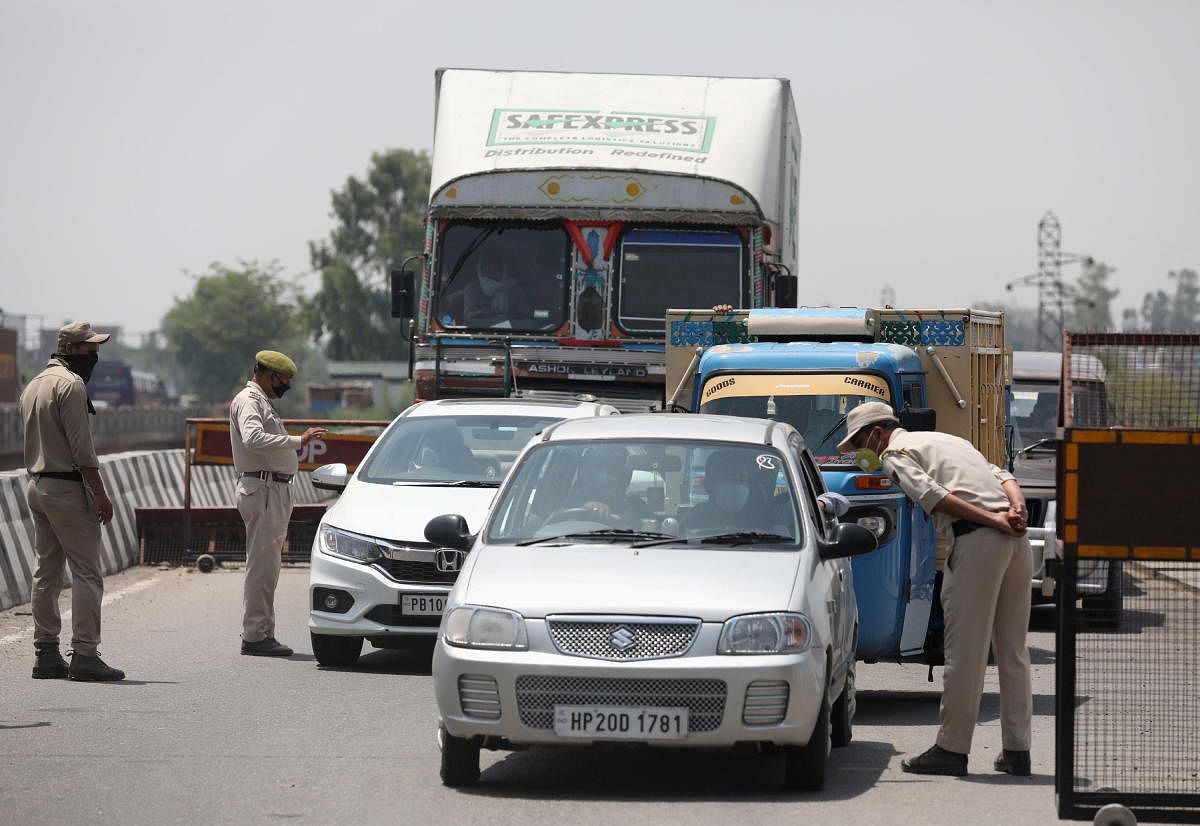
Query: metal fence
1128 679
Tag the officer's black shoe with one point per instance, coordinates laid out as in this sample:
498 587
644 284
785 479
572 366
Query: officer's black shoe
937 761
270 647
1013 762
49 664
87 669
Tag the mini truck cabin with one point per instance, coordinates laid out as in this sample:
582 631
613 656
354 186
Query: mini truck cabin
939 369
568 210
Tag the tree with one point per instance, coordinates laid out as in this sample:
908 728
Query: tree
1091 299
230 315
380 222
1156 311
1185 308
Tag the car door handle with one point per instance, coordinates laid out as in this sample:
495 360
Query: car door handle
841 575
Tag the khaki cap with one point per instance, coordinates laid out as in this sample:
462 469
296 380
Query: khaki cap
276 362
866 414
80 332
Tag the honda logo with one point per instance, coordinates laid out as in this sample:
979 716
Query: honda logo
622 638
448 561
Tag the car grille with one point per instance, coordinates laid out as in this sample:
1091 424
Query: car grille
619 639
538 695
479 696
392 615
408 570
766 702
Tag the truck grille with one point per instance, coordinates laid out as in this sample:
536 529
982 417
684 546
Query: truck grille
538 695
621 639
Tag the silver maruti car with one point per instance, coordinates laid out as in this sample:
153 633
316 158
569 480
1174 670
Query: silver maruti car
665 580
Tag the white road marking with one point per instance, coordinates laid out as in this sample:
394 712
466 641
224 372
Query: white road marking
109 599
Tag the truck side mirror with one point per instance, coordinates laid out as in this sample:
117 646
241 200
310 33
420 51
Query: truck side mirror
786 290
402 292
916 419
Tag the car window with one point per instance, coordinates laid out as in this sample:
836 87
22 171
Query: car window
691 489
475 447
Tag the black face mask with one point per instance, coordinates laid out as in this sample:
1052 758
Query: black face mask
81 364
280 388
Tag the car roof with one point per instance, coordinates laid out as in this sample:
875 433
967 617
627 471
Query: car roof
1036 365
510 407
671 426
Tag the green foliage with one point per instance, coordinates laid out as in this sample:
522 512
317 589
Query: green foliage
231 314
1174 312
1091 299
379 223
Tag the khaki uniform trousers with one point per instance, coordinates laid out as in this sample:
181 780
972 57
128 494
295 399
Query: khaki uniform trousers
986 593
66 532
266 508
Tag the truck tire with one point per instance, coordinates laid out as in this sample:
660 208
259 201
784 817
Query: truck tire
1104 610
804 766
336 652
460 759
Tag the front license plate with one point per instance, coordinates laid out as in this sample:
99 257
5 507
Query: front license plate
621 722
422 605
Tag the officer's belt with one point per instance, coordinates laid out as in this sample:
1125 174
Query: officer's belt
69 475
962 527
268 475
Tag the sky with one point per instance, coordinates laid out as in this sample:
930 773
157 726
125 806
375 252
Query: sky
142 140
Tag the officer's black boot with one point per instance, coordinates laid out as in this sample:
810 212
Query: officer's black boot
92 669
49 664
1013 762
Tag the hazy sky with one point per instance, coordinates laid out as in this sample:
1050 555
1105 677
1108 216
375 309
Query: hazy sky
142 139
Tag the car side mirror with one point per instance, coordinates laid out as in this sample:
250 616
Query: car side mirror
917 419
331 477
449 531
845 540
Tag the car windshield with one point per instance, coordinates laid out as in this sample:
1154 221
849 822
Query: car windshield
637 490
450 449
502 276
815 404
658 266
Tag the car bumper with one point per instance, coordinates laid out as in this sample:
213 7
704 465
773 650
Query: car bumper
527 684
376 609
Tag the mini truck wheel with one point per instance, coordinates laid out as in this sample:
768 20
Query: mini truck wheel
337 652
460 759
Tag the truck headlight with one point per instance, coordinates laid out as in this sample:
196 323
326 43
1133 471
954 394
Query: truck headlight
472 626
349 546
876 524
778 633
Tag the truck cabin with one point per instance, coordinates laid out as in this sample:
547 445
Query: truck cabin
1034 399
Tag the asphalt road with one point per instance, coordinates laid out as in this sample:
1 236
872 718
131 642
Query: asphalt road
200 734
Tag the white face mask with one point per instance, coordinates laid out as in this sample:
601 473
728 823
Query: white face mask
731 498
489 285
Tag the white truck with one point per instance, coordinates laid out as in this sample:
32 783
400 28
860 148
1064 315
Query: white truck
567 211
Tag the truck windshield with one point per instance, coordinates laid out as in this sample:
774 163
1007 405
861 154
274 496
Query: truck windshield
659 265
1033 409
815 404
506 277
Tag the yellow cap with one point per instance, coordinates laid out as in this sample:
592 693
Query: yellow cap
276 362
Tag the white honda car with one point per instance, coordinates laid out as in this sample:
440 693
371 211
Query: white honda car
659 580
373 576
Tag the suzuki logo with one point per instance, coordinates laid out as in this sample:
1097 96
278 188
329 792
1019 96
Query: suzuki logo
623 638
448 561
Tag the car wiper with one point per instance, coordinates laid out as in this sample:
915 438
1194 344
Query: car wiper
449 483
742 537
603 533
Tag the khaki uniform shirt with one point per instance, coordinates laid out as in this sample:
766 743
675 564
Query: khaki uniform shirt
58 437
260 441
929 466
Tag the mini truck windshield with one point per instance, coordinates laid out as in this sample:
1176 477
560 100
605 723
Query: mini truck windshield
450 450
736 494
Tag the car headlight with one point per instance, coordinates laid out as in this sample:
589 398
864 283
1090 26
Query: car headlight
779 633
349 546
471 626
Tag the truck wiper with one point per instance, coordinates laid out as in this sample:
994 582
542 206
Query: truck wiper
829 433
743 537
464 255
603 533
1037 444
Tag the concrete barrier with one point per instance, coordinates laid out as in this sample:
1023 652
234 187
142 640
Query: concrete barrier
151 478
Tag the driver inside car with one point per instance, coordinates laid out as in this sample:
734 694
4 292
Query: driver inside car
603 487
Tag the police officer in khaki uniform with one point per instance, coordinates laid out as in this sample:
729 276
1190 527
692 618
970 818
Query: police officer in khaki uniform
985 581
69 504
264 455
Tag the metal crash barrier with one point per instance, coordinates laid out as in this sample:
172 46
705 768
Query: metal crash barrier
214 531
1128 674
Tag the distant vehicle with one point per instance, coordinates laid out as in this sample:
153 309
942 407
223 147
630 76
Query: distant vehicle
119 385
373 575
584 617
1033 414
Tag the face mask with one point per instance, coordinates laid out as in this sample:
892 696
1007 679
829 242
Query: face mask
866 459
488 285
280 388
81 364
730 498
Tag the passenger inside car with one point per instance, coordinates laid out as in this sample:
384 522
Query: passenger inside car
444 448
741 496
